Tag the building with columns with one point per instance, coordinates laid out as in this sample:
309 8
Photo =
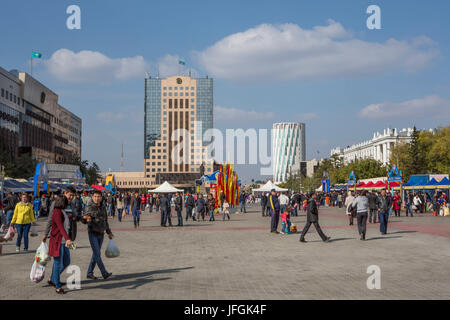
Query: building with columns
378 148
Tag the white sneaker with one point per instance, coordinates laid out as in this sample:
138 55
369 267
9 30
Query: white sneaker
17 249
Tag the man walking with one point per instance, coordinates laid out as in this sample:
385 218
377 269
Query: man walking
97 220
201 207
274 207
242 199
384 204
312 217
135 206
361 203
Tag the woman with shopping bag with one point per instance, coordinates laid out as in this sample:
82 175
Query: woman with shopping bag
22 219
59 243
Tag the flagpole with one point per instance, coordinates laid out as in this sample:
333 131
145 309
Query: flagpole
31 63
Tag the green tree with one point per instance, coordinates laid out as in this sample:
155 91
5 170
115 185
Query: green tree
92 174
416 155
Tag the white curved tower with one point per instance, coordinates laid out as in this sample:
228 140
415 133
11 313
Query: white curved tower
288 148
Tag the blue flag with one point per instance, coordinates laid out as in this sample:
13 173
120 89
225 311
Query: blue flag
36 54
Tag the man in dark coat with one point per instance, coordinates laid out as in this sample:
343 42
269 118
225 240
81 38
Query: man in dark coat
201 207
312 217
164 203
178 208
263 204
373 208
190 204
274 207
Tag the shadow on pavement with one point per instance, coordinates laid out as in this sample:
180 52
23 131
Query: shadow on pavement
340 239
135 280
385 237
405 231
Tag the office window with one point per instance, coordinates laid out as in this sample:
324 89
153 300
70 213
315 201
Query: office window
164 119
192 100
186 88
192 112
192 119
165 88
170 93
164 144
159 157
159 163
153 163
165 112
181 94
170 88
192 88
192 94
165 94
164 170
164 125
153 169
176 88
176 94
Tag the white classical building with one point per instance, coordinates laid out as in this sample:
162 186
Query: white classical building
378 148
288 149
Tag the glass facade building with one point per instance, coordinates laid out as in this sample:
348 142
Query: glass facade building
152 118
289 149
205 105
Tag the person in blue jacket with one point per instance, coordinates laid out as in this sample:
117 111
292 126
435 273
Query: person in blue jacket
274 207
37 207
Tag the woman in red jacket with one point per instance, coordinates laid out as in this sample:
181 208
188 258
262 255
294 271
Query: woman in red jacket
59 243
396 202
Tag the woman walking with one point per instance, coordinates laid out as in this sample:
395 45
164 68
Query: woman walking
58 246
22 219
349 210
120 206
361 203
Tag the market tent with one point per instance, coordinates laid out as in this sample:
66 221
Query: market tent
444 183
166 187
269 186
380 184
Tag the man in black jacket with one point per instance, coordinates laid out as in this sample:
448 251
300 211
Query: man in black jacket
97 220
383 203
263 204
164 203
373 208
312 217
190 203
179 207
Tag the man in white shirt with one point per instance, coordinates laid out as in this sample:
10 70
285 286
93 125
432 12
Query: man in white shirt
284 201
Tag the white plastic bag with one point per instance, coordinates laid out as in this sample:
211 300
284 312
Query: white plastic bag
37 272
34 231
112 251
42 256
10 234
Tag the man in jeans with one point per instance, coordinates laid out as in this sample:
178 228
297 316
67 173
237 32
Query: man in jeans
384 203
97 220
10 204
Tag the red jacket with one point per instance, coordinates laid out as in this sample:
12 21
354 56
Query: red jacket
57 233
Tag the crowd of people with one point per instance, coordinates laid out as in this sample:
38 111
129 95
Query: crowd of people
374 206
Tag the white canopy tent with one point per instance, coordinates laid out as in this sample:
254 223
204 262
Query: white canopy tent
269 186
319 189
166 187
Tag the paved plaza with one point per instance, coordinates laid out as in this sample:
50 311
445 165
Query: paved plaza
240 259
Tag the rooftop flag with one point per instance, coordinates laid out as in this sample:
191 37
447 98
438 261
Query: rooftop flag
36 54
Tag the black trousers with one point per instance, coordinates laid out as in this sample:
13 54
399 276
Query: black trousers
373 215
316 225
263 209
361 218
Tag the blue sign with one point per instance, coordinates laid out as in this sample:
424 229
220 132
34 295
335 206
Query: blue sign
351 179
394 174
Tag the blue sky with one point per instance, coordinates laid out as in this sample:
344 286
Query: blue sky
309 61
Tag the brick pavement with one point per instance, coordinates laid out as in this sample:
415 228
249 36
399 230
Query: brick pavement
240 259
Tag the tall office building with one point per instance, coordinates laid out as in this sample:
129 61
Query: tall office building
178 111
32 122
288 149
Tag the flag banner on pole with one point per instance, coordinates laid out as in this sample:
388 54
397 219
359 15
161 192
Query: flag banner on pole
36 54
181 62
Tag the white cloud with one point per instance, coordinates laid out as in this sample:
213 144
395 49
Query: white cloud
234 115
287 51
431 106
93 66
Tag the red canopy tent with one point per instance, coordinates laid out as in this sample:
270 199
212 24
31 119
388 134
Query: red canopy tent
360 185
99 187
394 184
369 185
380 184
